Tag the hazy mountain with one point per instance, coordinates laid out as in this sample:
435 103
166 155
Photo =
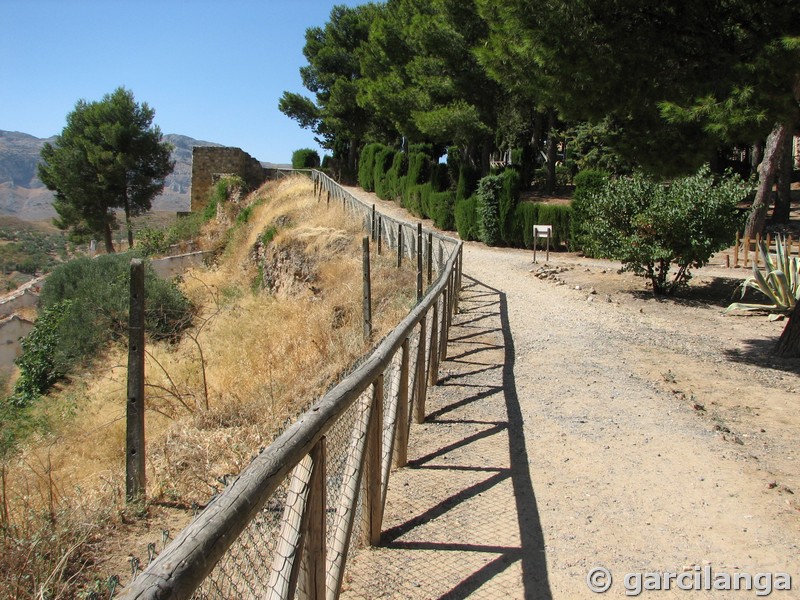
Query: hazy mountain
24 196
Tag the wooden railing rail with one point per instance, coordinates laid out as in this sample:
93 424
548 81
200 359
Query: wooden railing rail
285 526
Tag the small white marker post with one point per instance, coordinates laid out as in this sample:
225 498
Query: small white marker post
546 231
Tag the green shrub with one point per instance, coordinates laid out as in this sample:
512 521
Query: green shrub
417 199
305 158
440 178
528 214
150 241
509 196
419 165
383 161
395 176
650 226
488 210
442 205
220 192
466 218
366 166
467 182
244 215
98 295
586 182
41 363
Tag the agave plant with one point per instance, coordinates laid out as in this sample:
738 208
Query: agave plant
780 281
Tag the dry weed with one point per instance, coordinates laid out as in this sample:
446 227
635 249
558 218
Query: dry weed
251 363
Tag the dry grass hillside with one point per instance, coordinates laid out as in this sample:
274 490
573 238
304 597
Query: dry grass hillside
278 321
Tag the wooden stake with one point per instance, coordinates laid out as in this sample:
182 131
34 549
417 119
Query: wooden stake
134 439
399 244
419 262
422 385
367 297
401 455
746 250
373 497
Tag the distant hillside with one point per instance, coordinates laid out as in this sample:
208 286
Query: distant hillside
24 196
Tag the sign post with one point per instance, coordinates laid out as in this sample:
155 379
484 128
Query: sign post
545 231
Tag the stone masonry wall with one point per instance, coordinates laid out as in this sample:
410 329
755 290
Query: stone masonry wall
209 162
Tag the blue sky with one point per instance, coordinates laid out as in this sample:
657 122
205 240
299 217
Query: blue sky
213 71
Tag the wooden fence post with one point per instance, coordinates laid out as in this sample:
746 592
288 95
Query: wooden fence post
134 463
367 289
433 361
430 258
380 233
419 262
401 455
399 244
443 330
317 522
373 495
421 380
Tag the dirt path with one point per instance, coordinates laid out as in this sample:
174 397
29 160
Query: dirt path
574 429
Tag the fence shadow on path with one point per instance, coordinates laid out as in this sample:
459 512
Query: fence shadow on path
462 518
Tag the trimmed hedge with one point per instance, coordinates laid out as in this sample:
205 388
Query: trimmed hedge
366 166
305 158
442 209
466 218
395 176
491 212
509 196
383 162
528 214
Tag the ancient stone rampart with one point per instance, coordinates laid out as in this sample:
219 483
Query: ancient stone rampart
210 162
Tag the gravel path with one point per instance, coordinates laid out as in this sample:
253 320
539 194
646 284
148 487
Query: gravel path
573 430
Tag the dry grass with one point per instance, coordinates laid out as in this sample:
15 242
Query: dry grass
252 362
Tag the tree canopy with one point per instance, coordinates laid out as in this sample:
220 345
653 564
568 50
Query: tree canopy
108 156
667 86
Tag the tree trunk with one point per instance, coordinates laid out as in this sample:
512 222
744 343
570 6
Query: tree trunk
783 199
108 238
767 171
789 342
128 224
756 156
550 185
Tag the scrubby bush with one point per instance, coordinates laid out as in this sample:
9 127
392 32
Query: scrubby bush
586 182
222 190
488 209
305 158
150 241
91 299
650 226
41 363
466 218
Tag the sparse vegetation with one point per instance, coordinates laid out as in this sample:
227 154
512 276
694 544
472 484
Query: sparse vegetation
248 364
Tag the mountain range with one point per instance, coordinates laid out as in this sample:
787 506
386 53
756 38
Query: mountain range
23 195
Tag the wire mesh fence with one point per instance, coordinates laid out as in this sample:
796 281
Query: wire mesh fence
286 526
